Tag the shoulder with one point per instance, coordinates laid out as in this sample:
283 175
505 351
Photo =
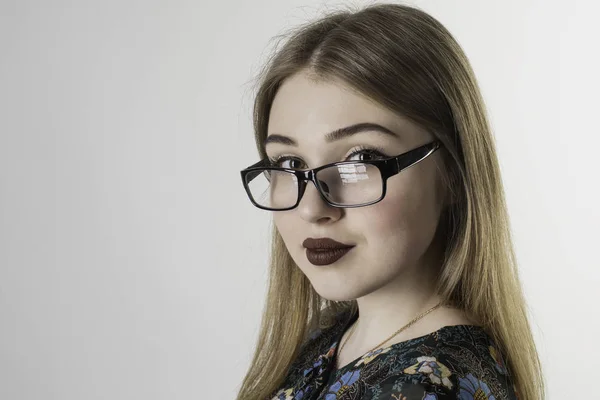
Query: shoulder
454 362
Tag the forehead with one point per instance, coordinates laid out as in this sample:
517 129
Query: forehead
304 107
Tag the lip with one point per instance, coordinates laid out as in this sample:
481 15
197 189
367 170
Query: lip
326 257
325 251
324 243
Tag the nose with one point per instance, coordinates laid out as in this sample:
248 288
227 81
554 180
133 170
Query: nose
313 207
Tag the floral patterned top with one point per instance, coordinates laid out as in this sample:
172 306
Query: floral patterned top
454 362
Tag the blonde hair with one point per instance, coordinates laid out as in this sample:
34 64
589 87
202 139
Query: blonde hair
405 60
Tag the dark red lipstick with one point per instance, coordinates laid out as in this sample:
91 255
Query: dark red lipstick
325 251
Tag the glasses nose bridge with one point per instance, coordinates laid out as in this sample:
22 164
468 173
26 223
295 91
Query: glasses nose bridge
309 176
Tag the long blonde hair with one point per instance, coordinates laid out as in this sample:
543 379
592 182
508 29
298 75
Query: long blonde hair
405 60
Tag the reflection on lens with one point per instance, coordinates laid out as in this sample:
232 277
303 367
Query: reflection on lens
352 184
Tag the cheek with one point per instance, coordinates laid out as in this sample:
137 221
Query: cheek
407 214
284 224
385 221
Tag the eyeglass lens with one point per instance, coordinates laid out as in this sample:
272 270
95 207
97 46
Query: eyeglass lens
347 185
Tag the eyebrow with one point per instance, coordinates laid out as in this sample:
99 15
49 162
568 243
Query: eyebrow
337 134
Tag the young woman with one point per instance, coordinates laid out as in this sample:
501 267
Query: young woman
392 269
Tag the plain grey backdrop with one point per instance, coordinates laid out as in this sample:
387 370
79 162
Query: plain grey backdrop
132 265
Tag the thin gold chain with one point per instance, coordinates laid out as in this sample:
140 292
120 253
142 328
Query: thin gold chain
394 334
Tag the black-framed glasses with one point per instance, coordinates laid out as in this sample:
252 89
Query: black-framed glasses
345 184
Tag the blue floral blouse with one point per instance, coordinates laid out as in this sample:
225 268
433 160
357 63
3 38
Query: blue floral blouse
454 362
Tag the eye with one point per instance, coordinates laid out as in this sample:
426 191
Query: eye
278 160
371 153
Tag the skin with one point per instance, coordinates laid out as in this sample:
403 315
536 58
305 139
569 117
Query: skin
392 270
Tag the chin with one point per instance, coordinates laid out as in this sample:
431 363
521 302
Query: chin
334 291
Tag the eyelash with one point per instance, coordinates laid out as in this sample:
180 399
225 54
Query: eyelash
375 151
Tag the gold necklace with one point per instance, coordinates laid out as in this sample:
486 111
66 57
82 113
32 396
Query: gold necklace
394 334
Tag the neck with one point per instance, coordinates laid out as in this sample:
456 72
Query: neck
386 310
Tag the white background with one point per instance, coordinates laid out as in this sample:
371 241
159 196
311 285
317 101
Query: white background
132 265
